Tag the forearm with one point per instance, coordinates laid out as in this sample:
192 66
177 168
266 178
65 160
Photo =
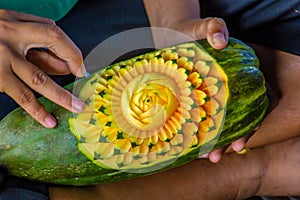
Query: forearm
282 72
164 13
282 174
234 176
262 171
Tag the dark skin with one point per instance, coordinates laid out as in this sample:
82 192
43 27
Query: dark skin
270 168
258 172
282 72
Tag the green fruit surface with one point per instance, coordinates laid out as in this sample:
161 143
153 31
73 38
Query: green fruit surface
51 155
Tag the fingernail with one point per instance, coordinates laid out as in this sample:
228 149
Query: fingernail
82 71
237 147
219 38
214 158
204 156
50 121
77 105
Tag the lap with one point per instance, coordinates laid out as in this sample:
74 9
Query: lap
239 176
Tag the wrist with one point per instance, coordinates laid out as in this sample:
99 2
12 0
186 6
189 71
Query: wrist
166 13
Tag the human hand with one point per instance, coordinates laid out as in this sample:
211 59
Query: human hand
212 29
23 69
236 146
184 17
215 31
281 71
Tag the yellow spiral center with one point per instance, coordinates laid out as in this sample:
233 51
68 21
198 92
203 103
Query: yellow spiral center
152 103
148 101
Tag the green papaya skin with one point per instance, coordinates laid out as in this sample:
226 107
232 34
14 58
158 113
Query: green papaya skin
29 150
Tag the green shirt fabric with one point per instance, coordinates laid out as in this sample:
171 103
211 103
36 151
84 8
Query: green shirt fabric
53 9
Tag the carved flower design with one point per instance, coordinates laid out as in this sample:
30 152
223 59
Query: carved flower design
152 109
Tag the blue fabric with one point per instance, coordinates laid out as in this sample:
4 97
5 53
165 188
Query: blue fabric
15 193
13 188
274 23
95 21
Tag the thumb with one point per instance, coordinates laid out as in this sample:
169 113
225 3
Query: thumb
214 30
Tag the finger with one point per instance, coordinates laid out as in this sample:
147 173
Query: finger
217 33
26 99
215 156
48 62
23 17
212 29
36 35
239 144
38 80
